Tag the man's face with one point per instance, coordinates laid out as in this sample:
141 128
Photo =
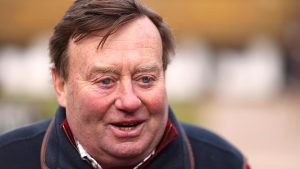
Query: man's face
115 96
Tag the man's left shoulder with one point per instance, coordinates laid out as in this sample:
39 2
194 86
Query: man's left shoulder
213 150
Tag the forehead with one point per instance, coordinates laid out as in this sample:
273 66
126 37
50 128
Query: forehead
139 30
138 41
139 33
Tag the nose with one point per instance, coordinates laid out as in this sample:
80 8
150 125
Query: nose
127 99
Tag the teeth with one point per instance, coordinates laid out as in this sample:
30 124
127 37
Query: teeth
126 126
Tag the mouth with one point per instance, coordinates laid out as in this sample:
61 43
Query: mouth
127 129
127 126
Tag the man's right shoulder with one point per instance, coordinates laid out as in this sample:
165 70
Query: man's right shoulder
20 148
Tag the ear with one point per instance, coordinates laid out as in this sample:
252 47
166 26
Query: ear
59 86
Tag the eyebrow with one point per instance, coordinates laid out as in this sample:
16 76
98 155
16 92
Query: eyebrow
104 69
117 70
147 68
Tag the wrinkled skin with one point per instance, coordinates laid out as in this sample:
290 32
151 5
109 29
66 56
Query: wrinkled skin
115 96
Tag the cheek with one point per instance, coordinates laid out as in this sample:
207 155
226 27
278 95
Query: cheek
156 101
90 105
95 103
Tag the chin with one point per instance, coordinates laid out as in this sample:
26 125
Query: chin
129 150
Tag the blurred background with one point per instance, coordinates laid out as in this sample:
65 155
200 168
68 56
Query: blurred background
236 70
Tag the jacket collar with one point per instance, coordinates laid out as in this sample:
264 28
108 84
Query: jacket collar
59 152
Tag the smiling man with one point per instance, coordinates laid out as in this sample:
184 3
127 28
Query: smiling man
109 61
115 96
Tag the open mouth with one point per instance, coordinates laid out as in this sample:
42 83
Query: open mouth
127 126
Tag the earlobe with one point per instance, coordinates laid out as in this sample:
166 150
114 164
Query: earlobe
59 86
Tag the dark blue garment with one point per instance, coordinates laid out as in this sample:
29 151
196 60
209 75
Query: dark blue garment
20 149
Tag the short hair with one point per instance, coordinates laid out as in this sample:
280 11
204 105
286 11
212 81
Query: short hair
88 16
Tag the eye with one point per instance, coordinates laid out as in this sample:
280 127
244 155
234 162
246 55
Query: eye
106 81
146 79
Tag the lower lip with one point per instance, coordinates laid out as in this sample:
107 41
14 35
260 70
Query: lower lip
127 133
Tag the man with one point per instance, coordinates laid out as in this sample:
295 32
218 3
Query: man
109 61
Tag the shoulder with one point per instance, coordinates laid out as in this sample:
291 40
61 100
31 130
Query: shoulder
24 133
21 147
213 149
204 136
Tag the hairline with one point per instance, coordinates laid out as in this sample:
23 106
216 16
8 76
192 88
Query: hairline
59 45
106 33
